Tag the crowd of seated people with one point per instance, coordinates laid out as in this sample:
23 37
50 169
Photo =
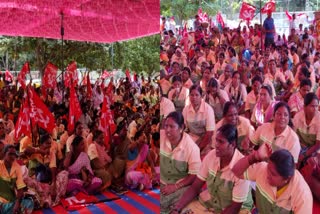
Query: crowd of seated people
246 138
40 169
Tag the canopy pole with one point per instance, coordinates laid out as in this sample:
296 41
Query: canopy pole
62 57
261 27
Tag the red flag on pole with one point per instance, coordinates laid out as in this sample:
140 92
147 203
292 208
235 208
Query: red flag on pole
22 75
105 74
107 124
74 109
128 74
247 11
288 15
8 76
71 75
49 77
23 123
220 20
269 7
39 113
89 89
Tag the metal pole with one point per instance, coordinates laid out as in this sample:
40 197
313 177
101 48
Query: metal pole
112 54
62 57
261 25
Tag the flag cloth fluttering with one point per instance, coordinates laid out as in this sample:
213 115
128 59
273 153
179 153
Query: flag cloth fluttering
107 124
74 109
220 21
35 110
22 75
269 7
23 122
8 76
50 76
71 75
247 11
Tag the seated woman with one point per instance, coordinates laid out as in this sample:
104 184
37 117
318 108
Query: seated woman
12 185
263 110
81 176
244 128
138 170
179 160
199 120
306 124
100 160
178 94
278 133
225 192
296 100
280 187
43 170
311 173
216 98
237 92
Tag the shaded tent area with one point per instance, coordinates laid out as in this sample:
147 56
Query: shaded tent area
133 201
103 21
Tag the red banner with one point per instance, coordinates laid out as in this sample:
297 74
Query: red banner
269 7
22 75
8 76
39 112
203 16
107 124
106 74
71 75
50 76
74 109
220 19
247 11
23 123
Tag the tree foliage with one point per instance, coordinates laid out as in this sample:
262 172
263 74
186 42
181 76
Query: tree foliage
140 55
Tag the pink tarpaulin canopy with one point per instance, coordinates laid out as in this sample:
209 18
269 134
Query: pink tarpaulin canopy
103 21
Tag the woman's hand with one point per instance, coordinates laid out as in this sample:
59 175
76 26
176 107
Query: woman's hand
263 152
169 189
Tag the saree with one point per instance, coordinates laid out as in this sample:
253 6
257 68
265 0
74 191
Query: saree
138 173
76 183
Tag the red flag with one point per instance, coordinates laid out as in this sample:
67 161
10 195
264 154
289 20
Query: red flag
39 112
22 75
105 74
269 7
106 120
74 109
128 74
288 15
247 11
49 77
185 31
8 76
109 91
203 16
23 123
220 19
89 89
78 201
71 75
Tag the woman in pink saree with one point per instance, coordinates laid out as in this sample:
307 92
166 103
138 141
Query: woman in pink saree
81 177
139 171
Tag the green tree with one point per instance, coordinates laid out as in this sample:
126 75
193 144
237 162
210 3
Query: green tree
14 51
